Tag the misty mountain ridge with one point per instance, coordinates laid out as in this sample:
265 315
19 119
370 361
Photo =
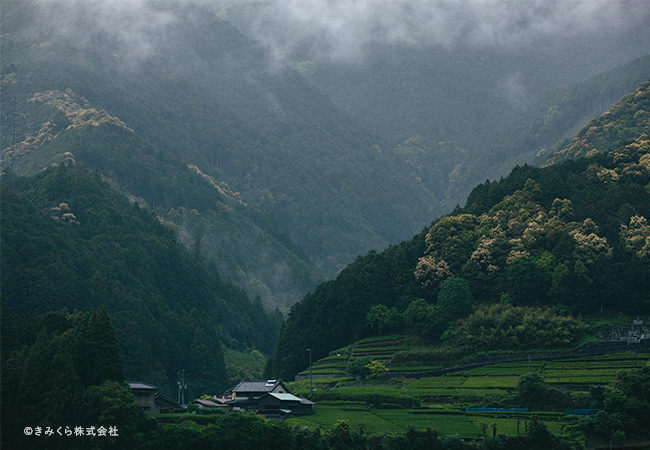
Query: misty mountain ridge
179 177
328 156
572 237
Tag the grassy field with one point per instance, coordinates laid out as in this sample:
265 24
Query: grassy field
376 420
390 405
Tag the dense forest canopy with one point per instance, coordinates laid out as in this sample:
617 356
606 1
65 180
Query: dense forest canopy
70 241
311 160
64 368
176 175
573 236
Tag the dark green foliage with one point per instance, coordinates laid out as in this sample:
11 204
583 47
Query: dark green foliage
239 431
569 234
533 393
46 383
425 319
454 299
381 319
170 311
271 135
501 326
528 283
97 356
625 122
626 407
333 315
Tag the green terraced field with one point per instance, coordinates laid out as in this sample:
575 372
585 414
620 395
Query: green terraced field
328 365
386 349
490 382
624 364
616 356
325 416
393 337
443 399
508 426
343 351
386 356
332 359
458 393
447 422
323 371
444 423
444 381
412 368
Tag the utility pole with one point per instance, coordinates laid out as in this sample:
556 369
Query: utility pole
311 384
181 387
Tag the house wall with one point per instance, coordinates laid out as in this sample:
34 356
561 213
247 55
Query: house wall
279 389
145 399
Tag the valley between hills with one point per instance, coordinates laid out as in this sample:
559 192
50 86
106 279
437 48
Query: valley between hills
425 240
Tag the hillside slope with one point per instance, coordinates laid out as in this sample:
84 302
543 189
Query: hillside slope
460 114
573 235
245 244
70 241
205 95
625 122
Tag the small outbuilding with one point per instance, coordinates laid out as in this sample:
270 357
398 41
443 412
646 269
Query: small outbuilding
145 397
151 401
271 404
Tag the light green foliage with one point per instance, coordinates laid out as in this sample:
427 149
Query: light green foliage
242 365
451 238
376 369
626 121
636 236
502 326
366 368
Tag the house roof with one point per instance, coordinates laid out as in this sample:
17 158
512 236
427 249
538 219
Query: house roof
142 386
208 403
256 386
285 397
166 402
242 401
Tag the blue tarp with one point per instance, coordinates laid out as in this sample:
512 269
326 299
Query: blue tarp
497 409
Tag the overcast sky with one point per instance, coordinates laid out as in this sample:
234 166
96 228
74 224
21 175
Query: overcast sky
343 29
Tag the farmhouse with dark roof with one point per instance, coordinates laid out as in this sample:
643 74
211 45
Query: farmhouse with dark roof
270 398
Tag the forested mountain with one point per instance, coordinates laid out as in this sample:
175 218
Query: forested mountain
209 217
70 241
624 123
205 95
573 236
311 161
45 121
458 116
